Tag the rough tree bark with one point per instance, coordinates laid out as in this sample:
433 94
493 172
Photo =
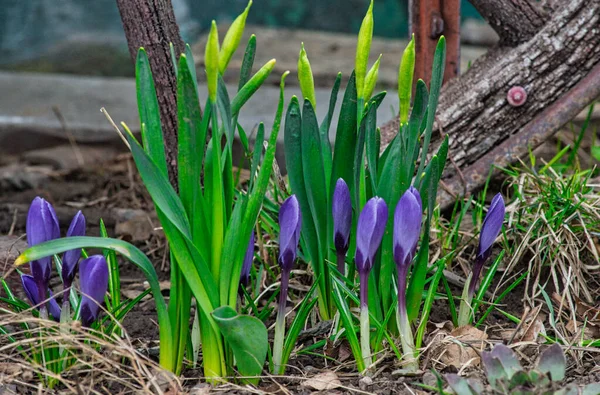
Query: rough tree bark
514 21
151 24
561 60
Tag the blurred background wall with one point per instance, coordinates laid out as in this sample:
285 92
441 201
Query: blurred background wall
86 36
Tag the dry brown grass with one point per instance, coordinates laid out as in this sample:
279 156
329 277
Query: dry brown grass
98 365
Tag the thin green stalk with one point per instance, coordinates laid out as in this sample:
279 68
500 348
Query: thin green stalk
365 327
404 329
218 204
280 324
465 310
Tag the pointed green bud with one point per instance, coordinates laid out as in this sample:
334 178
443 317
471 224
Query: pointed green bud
251 86
211 61
371 79
305 78
363 47
405 79
232 39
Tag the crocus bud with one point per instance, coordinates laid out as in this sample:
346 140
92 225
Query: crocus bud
363 47
342 216
492 224
211 61
407 227
369 232
290 221
34 295
93 279
247 265
71 257
42 225
405 79
371 78
305 77
232 38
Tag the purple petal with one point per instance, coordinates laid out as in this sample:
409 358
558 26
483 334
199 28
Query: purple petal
290 220
492 224
417 196
71 257
54 307
342 215
42 225
32 291
369 232
93 279
247 265
407 227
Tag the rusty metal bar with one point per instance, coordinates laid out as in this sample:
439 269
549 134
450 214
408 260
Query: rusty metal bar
531 135
429 19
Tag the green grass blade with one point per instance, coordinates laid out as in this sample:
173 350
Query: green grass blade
114 279
189 121
437 77
345 140
149 111
256 155
350 329
306 306
429 303
324 131
247 62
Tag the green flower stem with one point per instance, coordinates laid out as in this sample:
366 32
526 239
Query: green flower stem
213 357
280 324
406 336
43 312
365 327
65 312
465 310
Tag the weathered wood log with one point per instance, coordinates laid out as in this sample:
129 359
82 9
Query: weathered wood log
514 21
561 60
151 24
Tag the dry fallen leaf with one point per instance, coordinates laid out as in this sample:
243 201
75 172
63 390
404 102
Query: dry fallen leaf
462 346
327 380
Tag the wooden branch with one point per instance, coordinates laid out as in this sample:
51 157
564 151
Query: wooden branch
473 108
151 24
515 21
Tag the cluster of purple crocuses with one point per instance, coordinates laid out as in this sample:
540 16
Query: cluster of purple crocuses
369 234
42 225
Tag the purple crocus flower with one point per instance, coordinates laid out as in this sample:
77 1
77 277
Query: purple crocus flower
407 230
247 265
290 221
33 294
42 225
369 232
71 257
492 224
342 221
93 279
407 226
